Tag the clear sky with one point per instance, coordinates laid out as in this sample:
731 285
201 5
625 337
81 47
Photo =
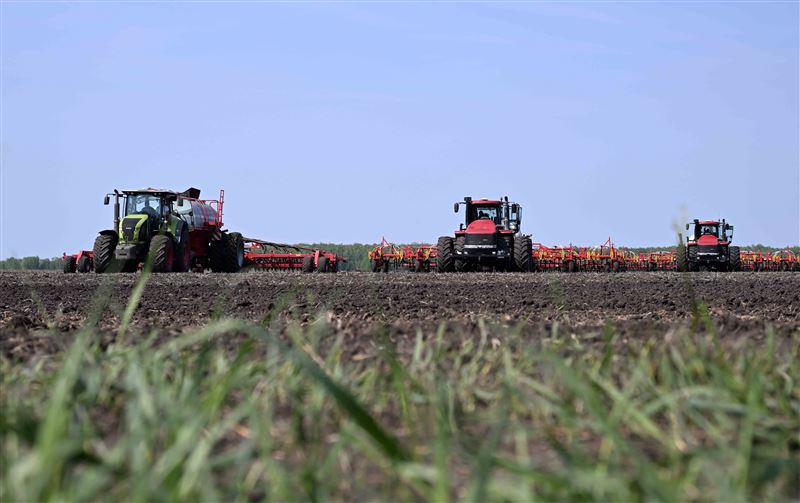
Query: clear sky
342 122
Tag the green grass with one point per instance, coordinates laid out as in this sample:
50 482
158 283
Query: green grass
237 411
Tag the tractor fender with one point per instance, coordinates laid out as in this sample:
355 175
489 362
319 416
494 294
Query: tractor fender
109 232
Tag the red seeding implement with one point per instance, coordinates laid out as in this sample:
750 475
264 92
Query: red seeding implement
384 256
387 256
782 260
282 257
82 261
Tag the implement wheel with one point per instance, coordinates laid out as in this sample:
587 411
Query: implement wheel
84 264
69 264
322 264
308 264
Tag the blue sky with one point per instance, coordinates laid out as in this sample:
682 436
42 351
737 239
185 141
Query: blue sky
343 122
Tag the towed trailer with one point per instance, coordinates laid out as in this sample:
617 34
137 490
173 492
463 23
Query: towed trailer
284 257
83 261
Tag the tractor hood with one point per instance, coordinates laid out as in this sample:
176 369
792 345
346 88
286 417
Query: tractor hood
482 226
707 240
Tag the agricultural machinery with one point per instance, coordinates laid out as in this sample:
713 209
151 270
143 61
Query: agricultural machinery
489 238
283 257
83 261
708 247
177 231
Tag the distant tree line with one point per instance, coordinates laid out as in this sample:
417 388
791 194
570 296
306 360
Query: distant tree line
357 255
31 263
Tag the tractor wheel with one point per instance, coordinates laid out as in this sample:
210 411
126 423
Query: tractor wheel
445 262
104 247
84 264
308 264
458 249
322 264
681 259
385 266
162 253
734 259
523 253
693 263
69 264
183 252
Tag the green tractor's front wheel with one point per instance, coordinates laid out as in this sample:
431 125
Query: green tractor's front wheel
103 251
162 253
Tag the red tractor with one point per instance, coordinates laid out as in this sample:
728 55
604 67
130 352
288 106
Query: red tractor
709 248
489 239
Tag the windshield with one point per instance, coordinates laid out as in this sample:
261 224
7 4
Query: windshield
485 212
709 229
143 203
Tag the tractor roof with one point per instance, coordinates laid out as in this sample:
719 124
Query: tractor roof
708 222
486 202
152 191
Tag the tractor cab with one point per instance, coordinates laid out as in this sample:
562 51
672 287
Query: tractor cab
147 212
501 214
709 231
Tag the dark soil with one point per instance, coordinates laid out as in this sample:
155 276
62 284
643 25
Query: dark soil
36 305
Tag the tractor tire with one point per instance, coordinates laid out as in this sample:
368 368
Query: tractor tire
104 247
693 262
162 253
523 253
69 265
322 264
183 252
445 262
458 248
734 259
681 259
308 264
84 264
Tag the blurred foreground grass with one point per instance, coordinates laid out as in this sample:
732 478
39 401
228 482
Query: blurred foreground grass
235 411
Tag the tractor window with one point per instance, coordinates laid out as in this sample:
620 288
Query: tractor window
486 212
708 229
143 203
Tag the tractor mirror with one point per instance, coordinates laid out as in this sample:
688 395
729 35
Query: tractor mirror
514 208
105 200
455 207
687 227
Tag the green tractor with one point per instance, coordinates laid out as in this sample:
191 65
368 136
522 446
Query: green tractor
176 231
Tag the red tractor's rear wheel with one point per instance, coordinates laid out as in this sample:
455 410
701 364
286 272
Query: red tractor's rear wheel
523 253
445 262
